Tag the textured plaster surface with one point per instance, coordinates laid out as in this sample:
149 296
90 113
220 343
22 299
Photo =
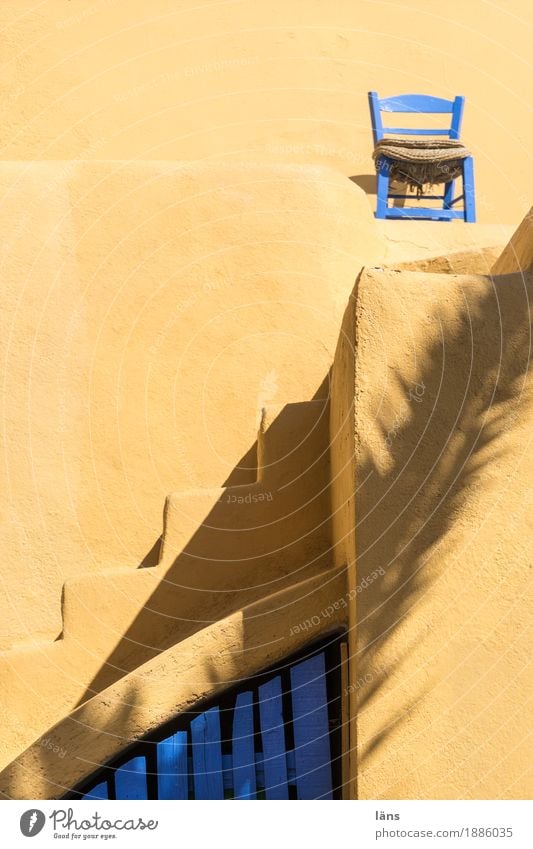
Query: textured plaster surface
150 311
449 242
158 317
343 500
269 82
221 549
518 254
442 448
177 256
230 650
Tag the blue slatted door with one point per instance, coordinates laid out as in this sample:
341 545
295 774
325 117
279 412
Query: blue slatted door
207 755
131 780
273 738
172 767
99 791
244 777
245 772
312 754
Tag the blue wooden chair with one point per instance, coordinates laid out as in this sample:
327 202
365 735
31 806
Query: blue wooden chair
424 105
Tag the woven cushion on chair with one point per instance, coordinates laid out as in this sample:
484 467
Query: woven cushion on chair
421 163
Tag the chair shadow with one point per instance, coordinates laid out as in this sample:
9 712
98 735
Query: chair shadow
366 182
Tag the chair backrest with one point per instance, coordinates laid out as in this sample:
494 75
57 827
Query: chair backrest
420 104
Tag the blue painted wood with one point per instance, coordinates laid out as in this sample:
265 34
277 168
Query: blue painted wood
410 197
244 778
130 779
469 191
375 115
448 195
311 729
172 767
227 770
424 212
207 755
383 176
456 200
457 117
415 104
273 737
244 772
421 104
99 791
415 131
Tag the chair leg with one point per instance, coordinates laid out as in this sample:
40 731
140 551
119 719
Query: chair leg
382 188
469 190
448 195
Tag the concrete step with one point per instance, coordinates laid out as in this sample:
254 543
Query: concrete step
293 442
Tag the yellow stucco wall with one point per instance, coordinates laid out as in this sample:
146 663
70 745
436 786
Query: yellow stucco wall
442 419
230 650
518 253
150 311
342 492
154 302
283 81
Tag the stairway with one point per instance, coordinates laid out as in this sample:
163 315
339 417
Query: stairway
221 550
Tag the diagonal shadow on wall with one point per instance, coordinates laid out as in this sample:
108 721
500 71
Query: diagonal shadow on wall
413 483
468 393
254 540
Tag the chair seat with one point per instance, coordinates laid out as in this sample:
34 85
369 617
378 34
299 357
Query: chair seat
421 162
414 150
